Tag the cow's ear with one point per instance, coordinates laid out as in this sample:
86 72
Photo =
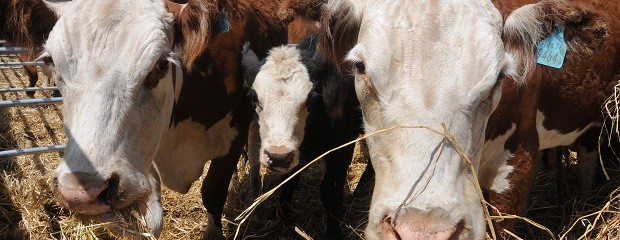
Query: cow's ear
175 7
193 28
250 65
340 25
584 31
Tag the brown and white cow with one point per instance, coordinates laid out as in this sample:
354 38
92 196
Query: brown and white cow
439 63
27 24
152 90
554 106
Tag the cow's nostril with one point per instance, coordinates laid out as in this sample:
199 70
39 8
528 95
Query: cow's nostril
281 160
111 192
81 192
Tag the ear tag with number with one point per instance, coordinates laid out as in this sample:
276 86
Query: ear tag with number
223 24
551 51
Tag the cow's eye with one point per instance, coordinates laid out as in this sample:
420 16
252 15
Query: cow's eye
158 72
162 65
360 68
501 76
48 61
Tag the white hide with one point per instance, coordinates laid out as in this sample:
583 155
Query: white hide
427 63
102 53
282 86
495 155
494 168
553 138
57 6
181 161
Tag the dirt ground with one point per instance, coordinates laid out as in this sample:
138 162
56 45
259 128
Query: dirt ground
29 211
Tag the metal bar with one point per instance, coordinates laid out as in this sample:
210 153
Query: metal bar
35 150
10 64
12 67
5 90
35 101
12 50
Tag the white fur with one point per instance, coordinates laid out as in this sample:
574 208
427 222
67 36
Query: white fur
57 6
428 63
523 25
282 86
494 168
549 138
188 146
103 51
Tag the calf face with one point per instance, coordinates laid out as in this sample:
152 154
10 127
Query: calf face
114 65
279 94
421 63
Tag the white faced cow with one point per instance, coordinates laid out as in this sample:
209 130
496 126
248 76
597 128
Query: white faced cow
435 63
152 89
304 107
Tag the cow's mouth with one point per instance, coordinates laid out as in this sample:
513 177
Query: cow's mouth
280 163
279 170
91 209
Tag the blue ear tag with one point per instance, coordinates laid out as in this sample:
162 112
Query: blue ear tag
223 25
551 51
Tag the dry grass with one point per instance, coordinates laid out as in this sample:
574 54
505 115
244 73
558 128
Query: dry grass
28 211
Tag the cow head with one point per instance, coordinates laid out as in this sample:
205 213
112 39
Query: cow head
421 63
437 64
279 93
117 65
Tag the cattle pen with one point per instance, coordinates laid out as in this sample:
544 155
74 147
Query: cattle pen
11 51
31 137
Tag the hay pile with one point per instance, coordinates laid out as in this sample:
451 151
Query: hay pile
27 206
28 209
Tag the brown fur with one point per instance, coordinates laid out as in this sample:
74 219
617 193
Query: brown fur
25 23
213 86
300 28
194 29
570 97
339 29
585 31
310 9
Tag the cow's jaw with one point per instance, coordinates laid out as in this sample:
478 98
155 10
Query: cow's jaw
431 64
112 59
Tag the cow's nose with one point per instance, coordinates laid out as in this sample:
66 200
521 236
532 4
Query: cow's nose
87 193
279 160
414 226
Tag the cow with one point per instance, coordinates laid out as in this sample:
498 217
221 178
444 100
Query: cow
152 91
555 106
304 107
444 65
27 24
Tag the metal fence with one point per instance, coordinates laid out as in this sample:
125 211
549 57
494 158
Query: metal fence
12 51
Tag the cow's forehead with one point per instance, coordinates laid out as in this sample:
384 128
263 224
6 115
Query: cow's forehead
424 37
113 34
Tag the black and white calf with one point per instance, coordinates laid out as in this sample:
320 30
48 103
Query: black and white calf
304 107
